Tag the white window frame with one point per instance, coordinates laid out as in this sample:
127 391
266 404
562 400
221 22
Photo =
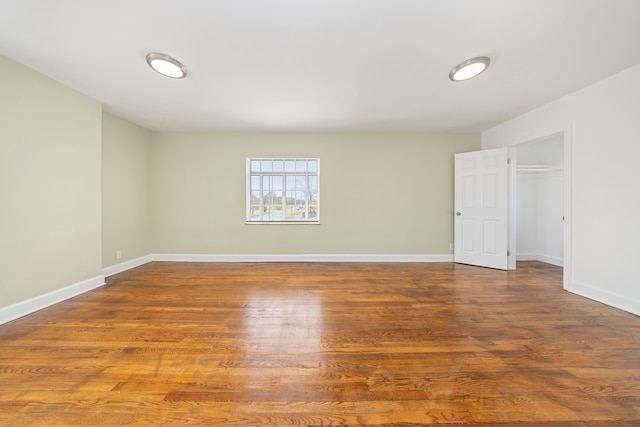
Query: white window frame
307 211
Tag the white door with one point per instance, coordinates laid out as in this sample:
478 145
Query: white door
482 205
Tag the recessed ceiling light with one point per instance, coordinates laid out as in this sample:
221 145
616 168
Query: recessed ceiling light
469 68
166 65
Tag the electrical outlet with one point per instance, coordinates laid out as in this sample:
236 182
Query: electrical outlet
118 254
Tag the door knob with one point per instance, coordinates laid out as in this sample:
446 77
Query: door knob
458 213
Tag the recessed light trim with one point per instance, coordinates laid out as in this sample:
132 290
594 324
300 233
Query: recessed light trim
166 65
469 68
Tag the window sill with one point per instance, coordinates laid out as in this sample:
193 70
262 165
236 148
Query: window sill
282 223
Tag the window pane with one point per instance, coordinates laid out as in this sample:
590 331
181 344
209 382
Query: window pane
312 166
291 182
255 165
267 166
278 166
255 212
268 197
255 183
301 165
266 184
313 183
291 199
277 182
290 165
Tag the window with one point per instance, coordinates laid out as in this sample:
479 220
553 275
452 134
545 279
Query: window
283 190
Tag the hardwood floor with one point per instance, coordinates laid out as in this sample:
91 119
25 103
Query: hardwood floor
323 344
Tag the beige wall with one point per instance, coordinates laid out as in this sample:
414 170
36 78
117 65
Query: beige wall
125 190
77 184
384 193
49 185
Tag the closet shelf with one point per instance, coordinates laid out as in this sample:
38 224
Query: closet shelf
537 168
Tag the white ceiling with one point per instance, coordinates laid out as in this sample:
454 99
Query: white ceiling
322 65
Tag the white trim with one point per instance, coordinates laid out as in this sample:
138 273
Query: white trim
282 173
540 257
567 136
512 217
32 305
568 208
302 258
127 265
632 305
282 222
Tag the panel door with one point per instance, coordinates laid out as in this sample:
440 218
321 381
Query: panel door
481 222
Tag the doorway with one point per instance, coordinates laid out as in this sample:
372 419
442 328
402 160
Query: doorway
548 159
553 158
539 193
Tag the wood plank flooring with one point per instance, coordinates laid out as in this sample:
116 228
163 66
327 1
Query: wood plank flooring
294 344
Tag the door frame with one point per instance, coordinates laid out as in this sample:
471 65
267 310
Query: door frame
512 223
567 138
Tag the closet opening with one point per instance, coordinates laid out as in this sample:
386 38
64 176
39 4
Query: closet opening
540 200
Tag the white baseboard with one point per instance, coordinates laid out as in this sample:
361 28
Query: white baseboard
540 257
127 265
302 258
31 305
625 303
